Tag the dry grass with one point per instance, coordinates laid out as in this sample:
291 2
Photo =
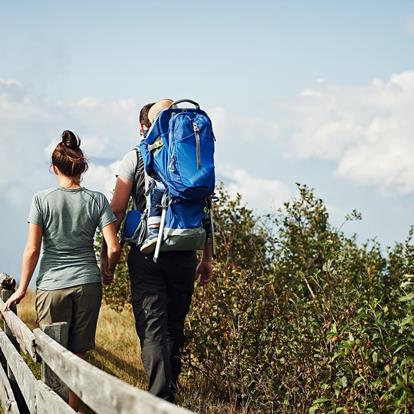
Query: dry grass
26 310
117 346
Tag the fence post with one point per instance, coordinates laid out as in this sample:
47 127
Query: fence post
59 332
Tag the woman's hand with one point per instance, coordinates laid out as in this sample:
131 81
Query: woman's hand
107 277
14 299
110 257
204 272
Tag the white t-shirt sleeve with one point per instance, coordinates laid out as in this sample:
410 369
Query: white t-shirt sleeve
128 165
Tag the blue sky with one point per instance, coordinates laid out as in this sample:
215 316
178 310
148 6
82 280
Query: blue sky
106 48
313 92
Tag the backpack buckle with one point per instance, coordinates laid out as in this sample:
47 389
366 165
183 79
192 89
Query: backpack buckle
156 145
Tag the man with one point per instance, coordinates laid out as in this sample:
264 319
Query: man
162 291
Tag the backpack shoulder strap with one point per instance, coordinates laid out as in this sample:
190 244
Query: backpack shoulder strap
138 188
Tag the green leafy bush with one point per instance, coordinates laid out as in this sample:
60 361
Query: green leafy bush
299 318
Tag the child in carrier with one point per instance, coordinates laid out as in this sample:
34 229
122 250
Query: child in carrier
156 192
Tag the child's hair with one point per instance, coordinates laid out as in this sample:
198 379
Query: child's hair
143 115
158 107
68 157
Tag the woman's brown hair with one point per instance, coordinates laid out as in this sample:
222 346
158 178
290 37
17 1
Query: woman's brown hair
68 157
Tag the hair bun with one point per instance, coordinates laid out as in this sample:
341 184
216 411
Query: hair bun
70 140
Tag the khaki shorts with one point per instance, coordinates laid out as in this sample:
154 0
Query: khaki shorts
78 306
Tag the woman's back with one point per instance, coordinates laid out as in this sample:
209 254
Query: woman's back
69 218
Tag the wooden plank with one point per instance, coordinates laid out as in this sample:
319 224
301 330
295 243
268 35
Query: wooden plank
21 332
47 401
5 295
102 392
58 331
8 402
22 373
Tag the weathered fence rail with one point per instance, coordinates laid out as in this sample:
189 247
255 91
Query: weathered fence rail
21 392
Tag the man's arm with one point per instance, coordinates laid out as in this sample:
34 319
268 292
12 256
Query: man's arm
119 204
204 272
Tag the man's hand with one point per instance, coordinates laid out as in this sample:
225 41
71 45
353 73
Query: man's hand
204 272
14 299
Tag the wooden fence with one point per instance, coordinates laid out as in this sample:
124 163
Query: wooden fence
21 392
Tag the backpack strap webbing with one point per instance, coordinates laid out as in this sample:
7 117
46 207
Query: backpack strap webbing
138 188
155 145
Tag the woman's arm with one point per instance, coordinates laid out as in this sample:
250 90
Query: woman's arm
119 204
29 262
113 251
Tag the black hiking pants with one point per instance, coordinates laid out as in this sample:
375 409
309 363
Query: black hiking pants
161 298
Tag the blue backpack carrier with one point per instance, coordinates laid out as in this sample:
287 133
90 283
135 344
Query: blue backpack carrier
178 150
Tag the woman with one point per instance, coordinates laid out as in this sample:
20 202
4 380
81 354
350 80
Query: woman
65 218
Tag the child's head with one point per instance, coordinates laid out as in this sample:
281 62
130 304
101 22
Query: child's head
157 108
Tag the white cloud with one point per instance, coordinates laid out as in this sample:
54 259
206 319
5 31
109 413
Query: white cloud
30 128
92 146
311 93
86 102
367 130
230 126
259 193
219 119
101 177
108 127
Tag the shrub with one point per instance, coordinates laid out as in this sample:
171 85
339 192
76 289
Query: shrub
300 318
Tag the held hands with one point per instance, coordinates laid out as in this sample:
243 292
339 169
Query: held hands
204 272
14 299
106 274
107 278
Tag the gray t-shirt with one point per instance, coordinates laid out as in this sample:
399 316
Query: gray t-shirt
69 218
